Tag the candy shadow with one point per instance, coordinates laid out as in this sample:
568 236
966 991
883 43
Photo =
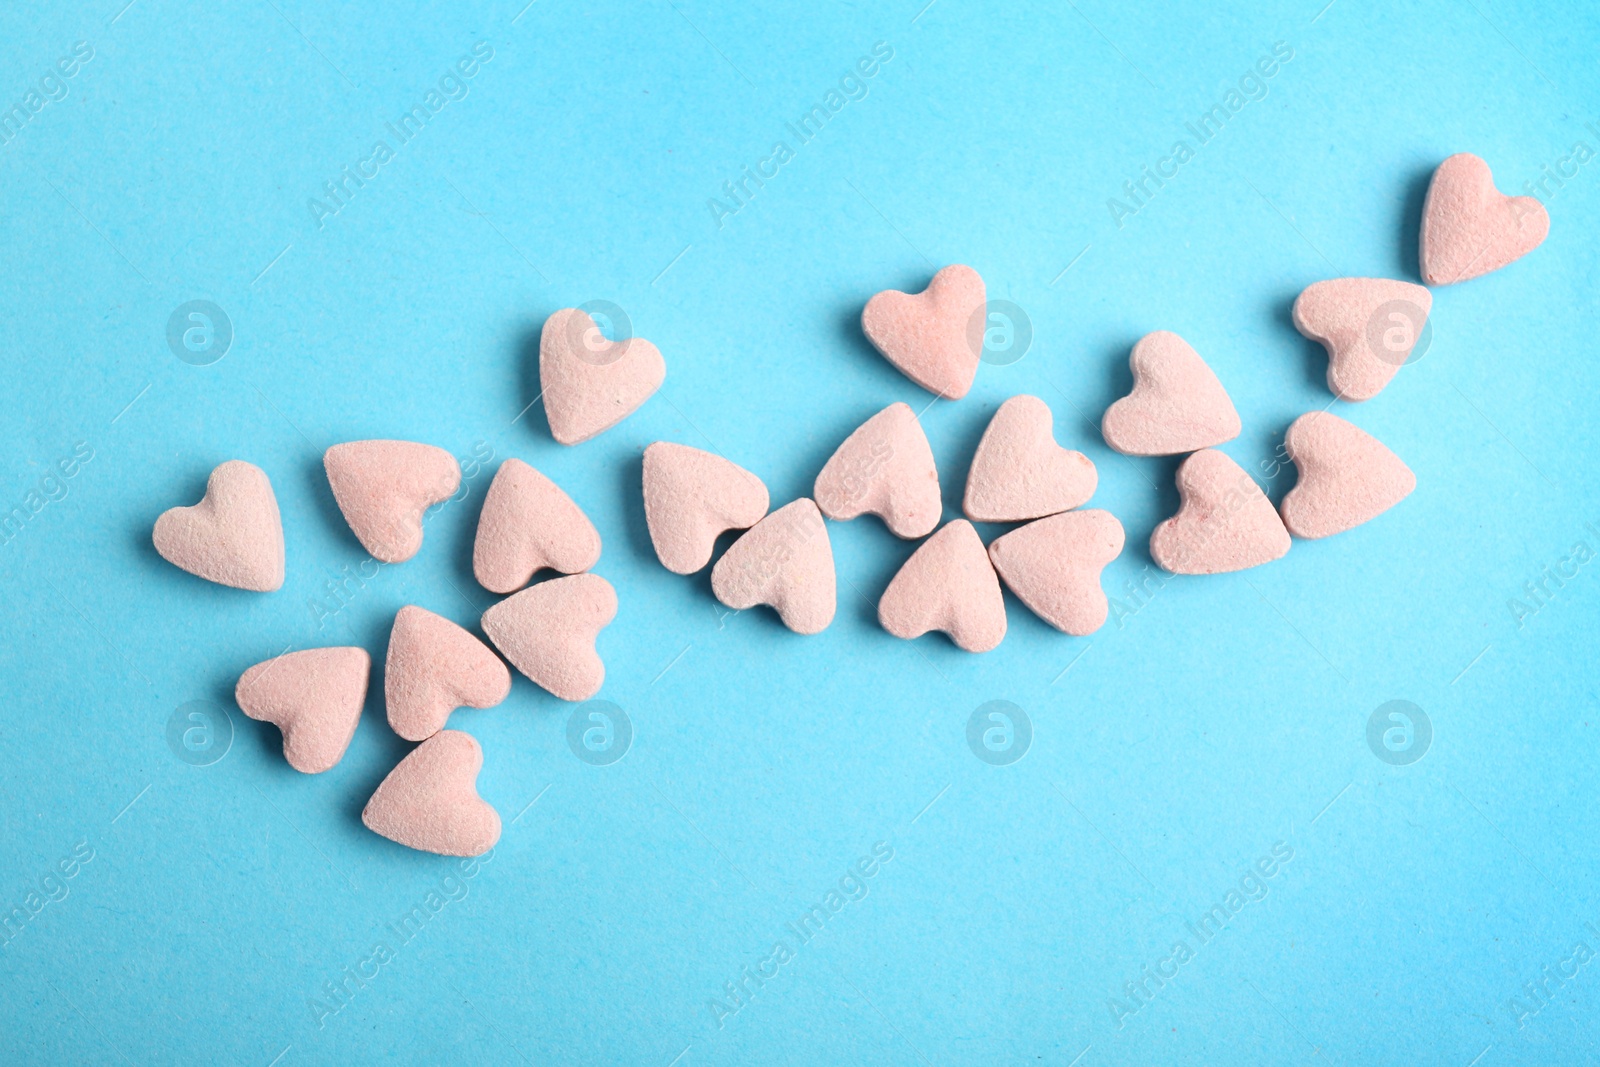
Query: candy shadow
315 478
630 487
530 414
1314 365
1416 195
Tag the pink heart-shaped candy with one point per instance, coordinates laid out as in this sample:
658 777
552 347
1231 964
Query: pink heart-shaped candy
693 497
1369 327
1053 566
883 468
528 524
1177 404
1347 476
1224 523
434 667
234 536
929 335
1470 228
430 801
548 632
1019 472
314 696
589 383
948 585
383 487
785 562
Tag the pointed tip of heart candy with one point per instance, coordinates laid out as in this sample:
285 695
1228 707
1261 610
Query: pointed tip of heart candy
933 337
383 488
785 562
884 468
430 800
1346 476
948 585
528 524
548 633
1177 404
234 536
433 667
1224 522
591 383
1369 326
314 696
691 498
1053 566
1020 473
1470 228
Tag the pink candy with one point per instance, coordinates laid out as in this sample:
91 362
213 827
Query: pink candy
528 524
1053 566
430 800
885 468
928 335
383 487
548 633
692 497
1470 228
785 562
1020 473
233 536
314 696
434 667
948 585
1347 477
1177 404
1225 522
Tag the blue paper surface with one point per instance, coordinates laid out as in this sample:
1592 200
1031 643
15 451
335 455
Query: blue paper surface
1208 748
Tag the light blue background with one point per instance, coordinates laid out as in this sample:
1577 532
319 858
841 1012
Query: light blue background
1226 715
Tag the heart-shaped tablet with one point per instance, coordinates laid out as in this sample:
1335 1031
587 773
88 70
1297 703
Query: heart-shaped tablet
314 696
1470 228
1369 327
528 524
1347 476
430 801
947 585
233 536
693 497
383 487
885 468
785 562
589 383
1224 523
1019 472
929 335
548 631
1054 566
1177 404
434 667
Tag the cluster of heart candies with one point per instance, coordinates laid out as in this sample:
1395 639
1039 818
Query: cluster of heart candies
783 559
